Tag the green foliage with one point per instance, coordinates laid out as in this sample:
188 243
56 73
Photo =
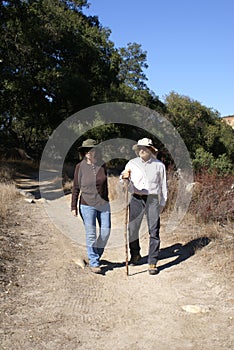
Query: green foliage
207 137
205 160
222 164
133 61
56 61
202 159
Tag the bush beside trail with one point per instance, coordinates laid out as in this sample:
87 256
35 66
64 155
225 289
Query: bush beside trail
212 196
212 201
9 239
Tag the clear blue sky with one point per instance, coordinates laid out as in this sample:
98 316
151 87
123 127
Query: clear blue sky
189 45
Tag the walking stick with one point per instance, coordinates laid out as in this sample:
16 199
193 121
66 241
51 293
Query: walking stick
126 226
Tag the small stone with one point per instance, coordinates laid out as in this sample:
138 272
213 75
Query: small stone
41 200
80 262
195 309
29 200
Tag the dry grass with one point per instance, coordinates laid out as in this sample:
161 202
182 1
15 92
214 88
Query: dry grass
6 174
212 242
7 191
209 217
115 188
219 254
7 195
213 199
8 238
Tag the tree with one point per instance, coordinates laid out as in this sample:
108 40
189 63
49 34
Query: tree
200 127
133 62
54 62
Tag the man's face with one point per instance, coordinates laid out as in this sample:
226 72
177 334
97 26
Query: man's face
144 153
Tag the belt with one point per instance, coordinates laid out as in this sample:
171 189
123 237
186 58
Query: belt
143 196
140 196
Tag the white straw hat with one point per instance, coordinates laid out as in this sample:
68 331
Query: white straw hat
146 143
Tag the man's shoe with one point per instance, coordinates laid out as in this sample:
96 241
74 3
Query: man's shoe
135 260
152 269
96 269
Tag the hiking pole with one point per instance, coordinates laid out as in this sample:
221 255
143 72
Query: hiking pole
126 226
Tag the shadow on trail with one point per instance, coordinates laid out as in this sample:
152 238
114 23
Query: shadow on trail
107 265
49 189
178 251
181 252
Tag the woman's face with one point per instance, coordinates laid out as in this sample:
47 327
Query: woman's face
144 153
90 154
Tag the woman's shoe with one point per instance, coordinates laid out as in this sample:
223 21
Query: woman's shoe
95 269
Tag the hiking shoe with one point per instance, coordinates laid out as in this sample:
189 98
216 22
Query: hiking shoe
152 269
135 260
95 269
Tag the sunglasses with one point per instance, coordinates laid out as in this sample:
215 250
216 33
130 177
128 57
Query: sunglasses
143 148
86 150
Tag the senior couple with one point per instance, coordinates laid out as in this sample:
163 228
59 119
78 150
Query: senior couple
146 178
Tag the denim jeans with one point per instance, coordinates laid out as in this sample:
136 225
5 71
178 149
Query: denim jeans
96 243
139 206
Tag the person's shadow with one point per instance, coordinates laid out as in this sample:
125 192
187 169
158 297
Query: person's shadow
179 251
107 265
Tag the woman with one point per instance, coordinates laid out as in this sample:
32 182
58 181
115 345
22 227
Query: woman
90 181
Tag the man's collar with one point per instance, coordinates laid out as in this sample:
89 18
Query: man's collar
147 161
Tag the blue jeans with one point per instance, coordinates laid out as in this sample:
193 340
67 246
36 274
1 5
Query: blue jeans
95 245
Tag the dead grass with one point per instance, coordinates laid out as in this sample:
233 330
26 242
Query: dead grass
210 217
213 241
7 191
219 254
213 199
115 188
7 195
6 174
8 240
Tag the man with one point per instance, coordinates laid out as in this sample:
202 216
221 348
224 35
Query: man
147 183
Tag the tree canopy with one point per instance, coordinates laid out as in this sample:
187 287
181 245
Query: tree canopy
55 61
203 131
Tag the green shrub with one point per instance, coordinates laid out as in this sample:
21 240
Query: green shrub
205 160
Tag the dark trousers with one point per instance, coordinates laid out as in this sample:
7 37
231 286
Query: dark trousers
138 206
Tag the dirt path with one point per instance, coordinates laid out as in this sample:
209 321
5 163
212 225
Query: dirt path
56 305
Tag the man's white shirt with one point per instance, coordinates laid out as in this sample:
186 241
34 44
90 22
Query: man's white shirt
148 178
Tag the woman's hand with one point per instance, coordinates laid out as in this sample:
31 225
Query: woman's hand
74 212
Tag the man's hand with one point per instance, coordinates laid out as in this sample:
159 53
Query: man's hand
74 212
126 174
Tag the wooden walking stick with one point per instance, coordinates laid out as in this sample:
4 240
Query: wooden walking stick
126 226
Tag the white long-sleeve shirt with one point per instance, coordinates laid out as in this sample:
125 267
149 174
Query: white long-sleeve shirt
148 178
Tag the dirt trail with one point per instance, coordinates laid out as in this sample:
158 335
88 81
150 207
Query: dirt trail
57 305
